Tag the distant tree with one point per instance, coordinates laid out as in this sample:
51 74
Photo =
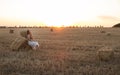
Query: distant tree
117 25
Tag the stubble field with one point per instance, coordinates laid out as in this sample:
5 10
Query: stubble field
65 51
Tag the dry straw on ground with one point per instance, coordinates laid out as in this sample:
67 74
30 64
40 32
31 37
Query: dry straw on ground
69 51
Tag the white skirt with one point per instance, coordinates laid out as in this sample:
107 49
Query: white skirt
33 43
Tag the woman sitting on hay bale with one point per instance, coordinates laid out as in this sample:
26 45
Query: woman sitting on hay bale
31 42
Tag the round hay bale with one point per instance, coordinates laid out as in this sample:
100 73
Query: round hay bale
23 33
51 29
11 31
108 34
102 32
105 54
20 43
17 43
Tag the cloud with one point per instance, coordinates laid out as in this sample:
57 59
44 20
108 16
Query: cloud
109 18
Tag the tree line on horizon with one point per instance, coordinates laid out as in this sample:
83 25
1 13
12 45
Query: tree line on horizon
116 25
74 26
51 27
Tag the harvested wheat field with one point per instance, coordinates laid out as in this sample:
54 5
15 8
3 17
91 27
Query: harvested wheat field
64 51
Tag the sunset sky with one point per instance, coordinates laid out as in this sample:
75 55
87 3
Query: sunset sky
59 12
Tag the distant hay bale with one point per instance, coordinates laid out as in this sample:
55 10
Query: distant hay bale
11 31
102 32
51 29
19 43
23 33
108 34
105 54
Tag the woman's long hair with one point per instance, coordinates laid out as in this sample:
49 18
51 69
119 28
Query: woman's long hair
29 33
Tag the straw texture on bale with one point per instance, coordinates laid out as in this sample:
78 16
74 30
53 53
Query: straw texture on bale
105 54
19 43
23 33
